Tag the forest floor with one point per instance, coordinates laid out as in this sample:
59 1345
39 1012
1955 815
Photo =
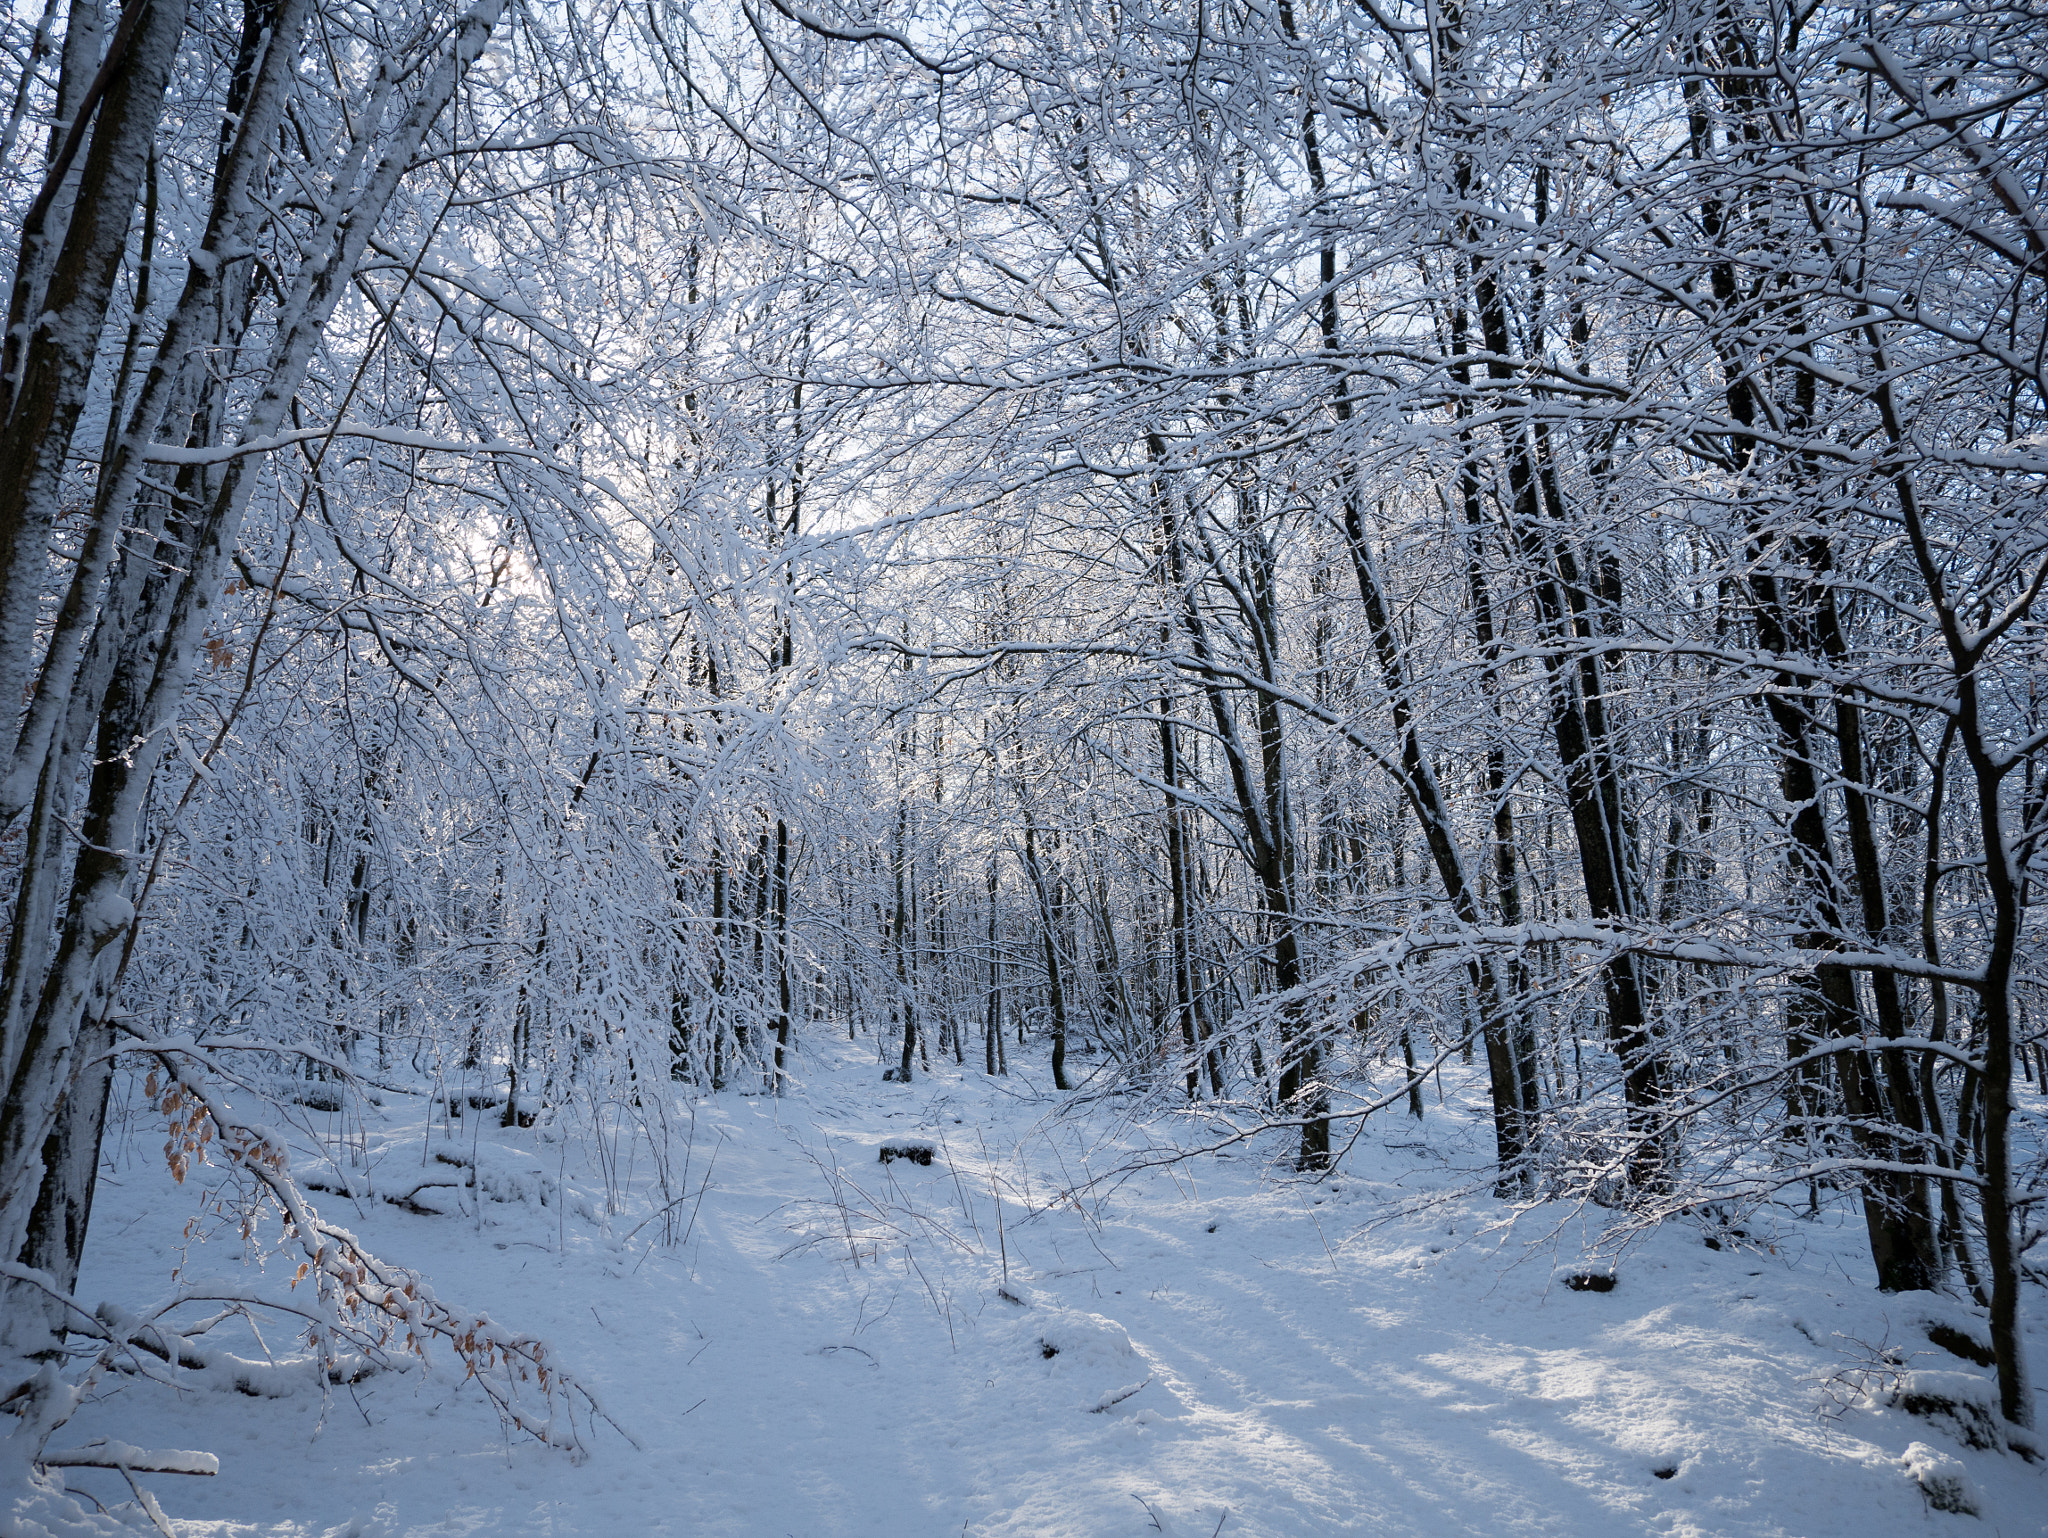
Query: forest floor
834 1347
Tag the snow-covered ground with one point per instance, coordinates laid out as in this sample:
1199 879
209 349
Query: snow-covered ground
844 1346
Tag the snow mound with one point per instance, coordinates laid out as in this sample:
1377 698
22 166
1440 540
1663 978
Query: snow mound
42 1509
1076 1340
1958 1330
1942 1479
1961 1403
1083 1350
496 1172
504 1173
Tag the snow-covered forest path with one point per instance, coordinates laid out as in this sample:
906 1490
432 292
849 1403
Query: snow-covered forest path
1301 1372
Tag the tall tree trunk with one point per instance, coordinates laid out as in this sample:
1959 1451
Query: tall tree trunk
1048 929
